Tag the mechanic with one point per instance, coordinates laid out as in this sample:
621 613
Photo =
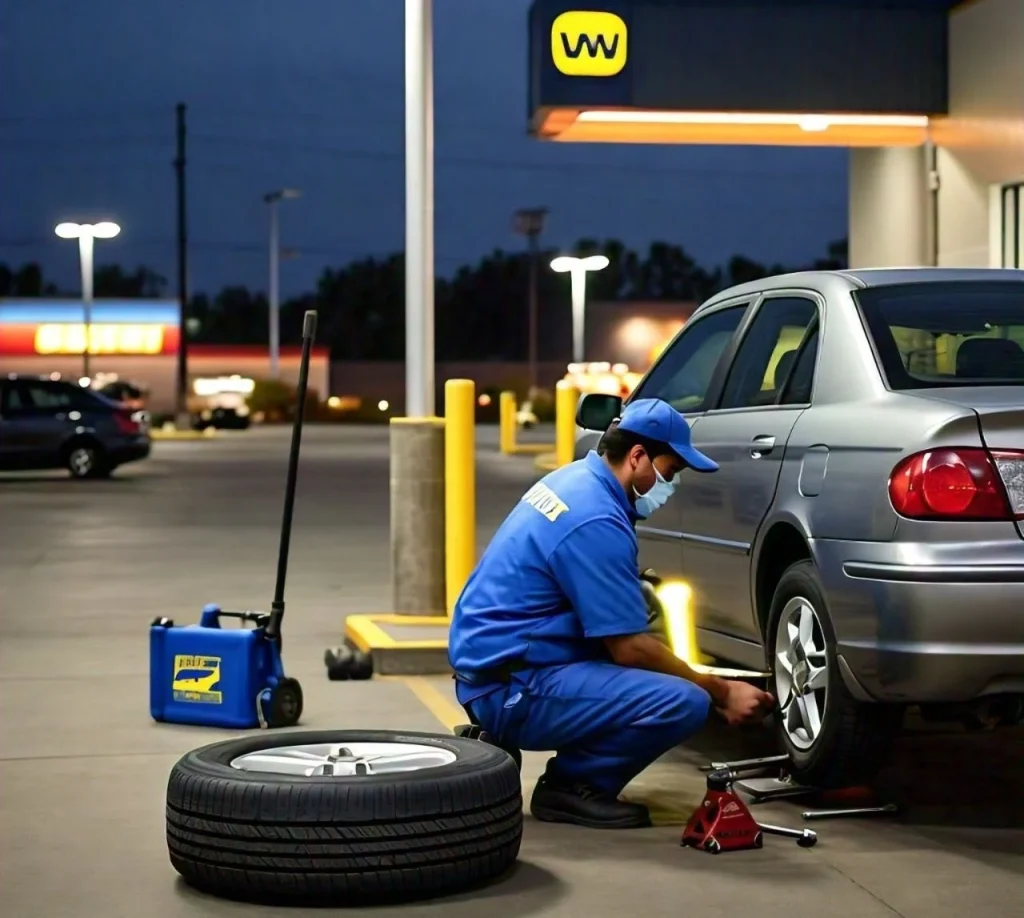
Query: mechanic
549 639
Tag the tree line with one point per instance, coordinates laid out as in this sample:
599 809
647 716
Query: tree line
480 310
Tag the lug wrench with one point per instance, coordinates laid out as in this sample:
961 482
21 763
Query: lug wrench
852 811
805 838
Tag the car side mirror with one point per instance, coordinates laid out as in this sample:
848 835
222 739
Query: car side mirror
596 411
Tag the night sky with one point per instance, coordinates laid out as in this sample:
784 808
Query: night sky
309 94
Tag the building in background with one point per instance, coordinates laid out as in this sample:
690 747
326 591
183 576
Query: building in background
927 95
133 340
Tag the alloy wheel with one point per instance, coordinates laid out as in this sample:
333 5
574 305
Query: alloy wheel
801 672
321 759
81 461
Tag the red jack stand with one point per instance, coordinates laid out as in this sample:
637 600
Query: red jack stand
723 823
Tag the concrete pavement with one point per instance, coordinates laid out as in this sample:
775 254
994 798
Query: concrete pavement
85 566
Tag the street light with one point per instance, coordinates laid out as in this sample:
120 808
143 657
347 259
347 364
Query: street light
577 269
85 233
271 198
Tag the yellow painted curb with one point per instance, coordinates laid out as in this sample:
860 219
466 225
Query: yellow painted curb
366 633
532 449
161 434
546 462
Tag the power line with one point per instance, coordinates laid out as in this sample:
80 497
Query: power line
442 160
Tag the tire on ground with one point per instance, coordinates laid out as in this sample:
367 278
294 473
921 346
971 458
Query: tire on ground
855 738
93 462
343 839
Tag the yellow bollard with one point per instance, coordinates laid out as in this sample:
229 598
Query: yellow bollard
460 485
566 397
507 423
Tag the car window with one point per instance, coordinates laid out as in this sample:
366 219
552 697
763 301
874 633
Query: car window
682 376
768 352
801 380
44 397
935 334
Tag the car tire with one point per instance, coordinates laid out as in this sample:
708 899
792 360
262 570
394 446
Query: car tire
267 836
854 738
85 460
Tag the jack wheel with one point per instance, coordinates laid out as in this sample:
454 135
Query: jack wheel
807 841
759 840
285 704
712 846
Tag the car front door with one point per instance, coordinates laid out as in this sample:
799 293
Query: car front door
687 374
767 387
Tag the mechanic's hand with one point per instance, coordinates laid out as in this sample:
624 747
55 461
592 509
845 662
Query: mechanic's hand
745 703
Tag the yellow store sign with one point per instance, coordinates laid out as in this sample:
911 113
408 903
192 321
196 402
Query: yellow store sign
103 339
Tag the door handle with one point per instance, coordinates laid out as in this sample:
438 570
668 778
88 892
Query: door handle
761 446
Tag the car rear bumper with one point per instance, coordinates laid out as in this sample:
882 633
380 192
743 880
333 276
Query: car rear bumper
924 632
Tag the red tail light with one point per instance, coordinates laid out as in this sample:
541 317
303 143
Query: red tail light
125 424
955 484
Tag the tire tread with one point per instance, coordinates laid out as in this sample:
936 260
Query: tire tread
289 841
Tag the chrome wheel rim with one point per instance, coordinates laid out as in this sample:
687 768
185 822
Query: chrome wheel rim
318 760
81 461
801 672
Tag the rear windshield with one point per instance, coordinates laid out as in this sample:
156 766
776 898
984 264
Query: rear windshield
965 333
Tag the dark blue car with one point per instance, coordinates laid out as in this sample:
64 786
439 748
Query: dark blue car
52 424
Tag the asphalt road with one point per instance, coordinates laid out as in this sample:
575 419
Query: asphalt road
85 566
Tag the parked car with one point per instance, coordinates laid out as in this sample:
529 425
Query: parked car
863 539
51 424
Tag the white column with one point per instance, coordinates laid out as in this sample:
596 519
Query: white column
419 211
888 207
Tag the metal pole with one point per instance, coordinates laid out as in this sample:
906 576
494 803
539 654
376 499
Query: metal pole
420 397
533 239
274 309
181 395
578 277
85 257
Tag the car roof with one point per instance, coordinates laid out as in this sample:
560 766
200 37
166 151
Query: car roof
866 277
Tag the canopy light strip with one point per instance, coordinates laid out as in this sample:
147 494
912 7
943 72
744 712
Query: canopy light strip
806 122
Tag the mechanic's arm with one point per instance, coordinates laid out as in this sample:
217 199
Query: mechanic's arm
596 565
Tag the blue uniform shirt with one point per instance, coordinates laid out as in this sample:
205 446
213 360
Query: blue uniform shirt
560 574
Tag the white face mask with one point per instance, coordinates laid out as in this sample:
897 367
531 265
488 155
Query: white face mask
660 492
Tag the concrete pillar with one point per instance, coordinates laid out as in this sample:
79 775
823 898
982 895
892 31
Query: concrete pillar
417 516
889 207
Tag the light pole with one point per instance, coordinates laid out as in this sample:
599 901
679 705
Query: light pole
420 396
529 222
577 269
85 233
273 295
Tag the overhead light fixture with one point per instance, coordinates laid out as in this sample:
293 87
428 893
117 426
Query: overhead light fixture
805 121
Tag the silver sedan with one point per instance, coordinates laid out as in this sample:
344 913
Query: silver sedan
863 539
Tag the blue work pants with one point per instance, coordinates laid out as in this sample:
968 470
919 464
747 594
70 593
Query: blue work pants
605 722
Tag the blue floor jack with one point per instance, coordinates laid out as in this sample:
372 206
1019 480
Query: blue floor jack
211 676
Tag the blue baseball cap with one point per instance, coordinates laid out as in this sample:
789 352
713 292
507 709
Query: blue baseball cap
657 420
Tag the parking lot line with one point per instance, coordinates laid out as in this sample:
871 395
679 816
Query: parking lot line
444 709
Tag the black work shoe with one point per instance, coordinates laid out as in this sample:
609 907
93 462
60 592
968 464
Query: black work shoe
555 800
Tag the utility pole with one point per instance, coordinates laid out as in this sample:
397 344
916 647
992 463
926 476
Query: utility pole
529 222
181 400
271 199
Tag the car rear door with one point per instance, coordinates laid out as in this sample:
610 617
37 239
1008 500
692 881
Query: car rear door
767 388
687 375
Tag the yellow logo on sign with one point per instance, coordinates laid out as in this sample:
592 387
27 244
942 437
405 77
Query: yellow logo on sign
103 339
588 44
196 678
